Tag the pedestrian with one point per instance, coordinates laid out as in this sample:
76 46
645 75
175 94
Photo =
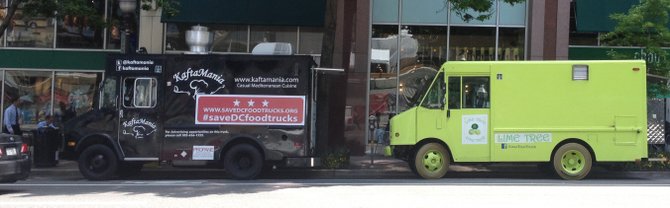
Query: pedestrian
47 123
11 123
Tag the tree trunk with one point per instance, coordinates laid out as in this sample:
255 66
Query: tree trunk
10 15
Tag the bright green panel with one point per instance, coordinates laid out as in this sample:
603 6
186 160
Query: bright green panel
403 128
535 105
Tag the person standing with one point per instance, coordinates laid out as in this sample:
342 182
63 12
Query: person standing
47 123
10 124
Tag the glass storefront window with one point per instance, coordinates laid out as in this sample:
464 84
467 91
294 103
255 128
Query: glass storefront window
423 50
512 15
472 44
425 12
175 37
80 31
384 11
231 38
584 39
74 93
383 78
34 88
458 17
114 18
310 40
25 31
511 44
260 34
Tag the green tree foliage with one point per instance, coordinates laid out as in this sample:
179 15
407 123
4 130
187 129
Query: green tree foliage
645 25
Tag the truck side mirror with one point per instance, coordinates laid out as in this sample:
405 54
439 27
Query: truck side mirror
448 113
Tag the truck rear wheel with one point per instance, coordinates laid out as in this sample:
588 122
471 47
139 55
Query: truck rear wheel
243 161
431 161
572 161
98 162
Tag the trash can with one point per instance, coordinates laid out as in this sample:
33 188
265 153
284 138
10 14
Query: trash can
46 141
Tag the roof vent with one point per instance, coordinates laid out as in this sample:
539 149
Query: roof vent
273 48
199 40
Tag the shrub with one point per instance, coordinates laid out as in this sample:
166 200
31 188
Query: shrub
335 159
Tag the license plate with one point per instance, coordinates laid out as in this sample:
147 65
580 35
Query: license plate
11 151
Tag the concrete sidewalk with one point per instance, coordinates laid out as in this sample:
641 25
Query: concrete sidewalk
361 167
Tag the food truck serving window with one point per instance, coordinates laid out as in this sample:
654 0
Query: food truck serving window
139 92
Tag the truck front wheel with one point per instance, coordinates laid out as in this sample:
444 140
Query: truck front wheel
243 161
431 161
572 161
98 162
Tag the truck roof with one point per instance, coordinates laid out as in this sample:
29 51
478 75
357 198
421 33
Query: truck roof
477 66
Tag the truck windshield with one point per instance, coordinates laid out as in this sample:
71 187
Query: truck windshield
108 93
434 98
422 88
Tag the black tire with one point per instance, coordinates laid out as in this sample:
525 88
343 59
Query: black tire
572 161
98 162
431 161
129 169
243 162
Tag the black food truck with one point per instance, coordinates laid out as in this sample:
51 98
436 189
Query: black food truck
244 112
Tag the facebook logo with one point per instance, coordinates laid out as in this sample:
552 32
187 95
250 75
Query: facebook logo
503 146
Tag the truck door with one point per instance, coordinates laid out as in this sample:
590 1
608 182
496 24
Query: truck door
139 135
467 124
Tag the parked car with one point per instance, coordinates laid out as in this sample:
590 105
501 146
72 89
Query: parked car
14 159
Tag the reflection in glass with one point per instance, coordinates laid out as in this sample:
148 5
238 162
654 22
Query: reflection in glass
383 75
310 40
511 44
260 34
472 44
423 50
145 93
476 92
74 92
175 35
108 94
229 38
26 31
34 88
454 93
115 18
434 97
75 31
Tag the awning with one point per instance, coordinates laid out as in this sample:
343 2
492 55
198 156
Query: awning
250 12
594 15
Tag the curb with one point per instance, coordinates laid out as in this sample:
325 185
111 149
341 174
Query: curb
458 171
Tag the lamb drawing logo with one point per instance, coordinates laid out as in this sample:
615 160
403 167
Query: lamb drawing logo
139 128
199 81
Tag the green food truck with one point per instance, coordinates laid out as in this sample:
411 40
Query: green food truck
566 115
